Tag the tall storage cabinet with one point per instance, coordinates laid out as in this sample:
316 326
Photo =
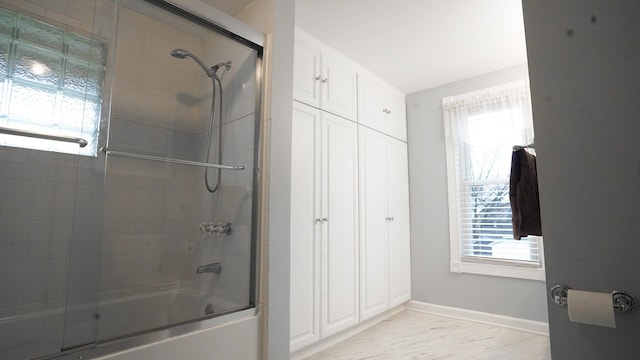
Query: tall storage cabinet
384 223
324 231
350 256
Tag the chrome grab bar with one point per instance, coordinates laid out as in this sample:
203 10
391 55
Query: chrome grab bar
33 134
169 160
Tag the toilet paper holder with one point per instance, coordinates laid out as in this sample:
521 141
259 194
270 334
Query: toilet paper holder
622 301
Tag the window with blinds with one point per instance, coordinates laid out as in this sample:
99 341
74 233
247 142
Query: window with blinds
482 128
50 83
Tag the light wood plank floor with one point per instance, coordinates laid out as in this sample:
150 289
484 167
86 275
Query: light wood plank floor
415 335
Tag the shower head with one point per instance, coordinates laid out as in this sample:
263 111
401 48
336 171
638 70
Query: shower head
182 54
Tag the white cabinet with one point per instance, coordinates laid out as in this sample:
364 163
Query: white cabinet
381 108
305 232
324 225
399 237
323 79
373 224
385 278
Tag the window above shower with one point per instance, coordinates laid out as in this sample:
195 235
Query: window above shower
50 86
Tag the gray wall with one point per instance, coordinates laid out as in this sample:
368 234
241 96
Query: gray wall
585 81
432 282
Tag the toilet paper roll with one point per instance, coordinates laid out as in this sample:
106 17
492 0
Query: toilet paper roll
591 308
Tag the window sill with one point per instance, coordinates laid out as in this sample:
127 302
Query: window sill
498 270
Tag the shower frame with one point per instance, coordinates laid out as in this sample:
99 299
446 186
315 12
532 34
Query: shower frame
251 38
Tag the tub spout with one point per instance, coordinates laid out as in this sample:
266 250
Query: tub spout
215 268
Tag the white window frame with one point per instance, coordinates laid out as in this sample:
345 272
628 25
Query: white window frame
485 266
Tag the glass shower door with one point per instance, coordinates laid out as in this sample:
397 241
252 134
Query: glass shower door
178 240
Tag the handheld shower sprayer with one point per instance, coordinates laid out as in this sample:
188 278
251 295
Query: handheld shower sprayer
211 72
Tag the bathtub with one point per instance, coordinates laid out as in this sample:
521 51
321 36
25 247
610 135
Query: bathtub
121 320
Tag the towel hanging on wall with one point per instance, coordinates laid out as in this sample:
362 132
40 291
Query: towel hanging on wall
523 194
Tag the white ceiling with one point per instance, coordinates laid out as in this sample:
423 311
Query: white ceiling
420 44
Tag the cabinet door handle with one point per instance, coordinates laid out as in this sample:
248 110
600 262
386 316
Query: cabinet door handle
325 80
318 77
318 220
325 219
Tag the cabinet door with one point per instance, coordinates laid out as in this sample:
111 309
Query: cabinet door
339 87
371 104
306 74
305 231
373 223
396 120
340 230
399 236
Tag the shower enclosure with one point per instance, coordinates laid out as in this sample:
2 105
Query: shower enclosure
128 174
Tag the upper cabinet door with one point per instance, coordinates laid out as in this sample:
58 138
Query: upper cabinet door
306 74
372 112
324 79
339 87
381 108
396 120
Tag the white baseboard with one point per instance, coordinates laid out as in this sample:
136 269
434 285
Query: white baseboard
343 335
537 327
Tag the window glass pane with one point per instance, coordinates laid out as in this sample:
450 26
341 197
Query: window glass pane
83 77
6 22
37 65
32 104
4 55
85 48
42 34
78 113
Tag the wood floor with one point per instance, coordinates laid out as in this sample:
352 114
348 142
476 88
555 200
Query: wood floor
415 335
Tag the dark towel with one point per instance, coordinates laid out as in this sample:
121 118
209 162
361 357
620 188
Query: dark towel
523 194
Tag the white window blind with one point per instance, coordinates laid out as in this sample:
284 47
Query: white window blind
50 82
481 129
